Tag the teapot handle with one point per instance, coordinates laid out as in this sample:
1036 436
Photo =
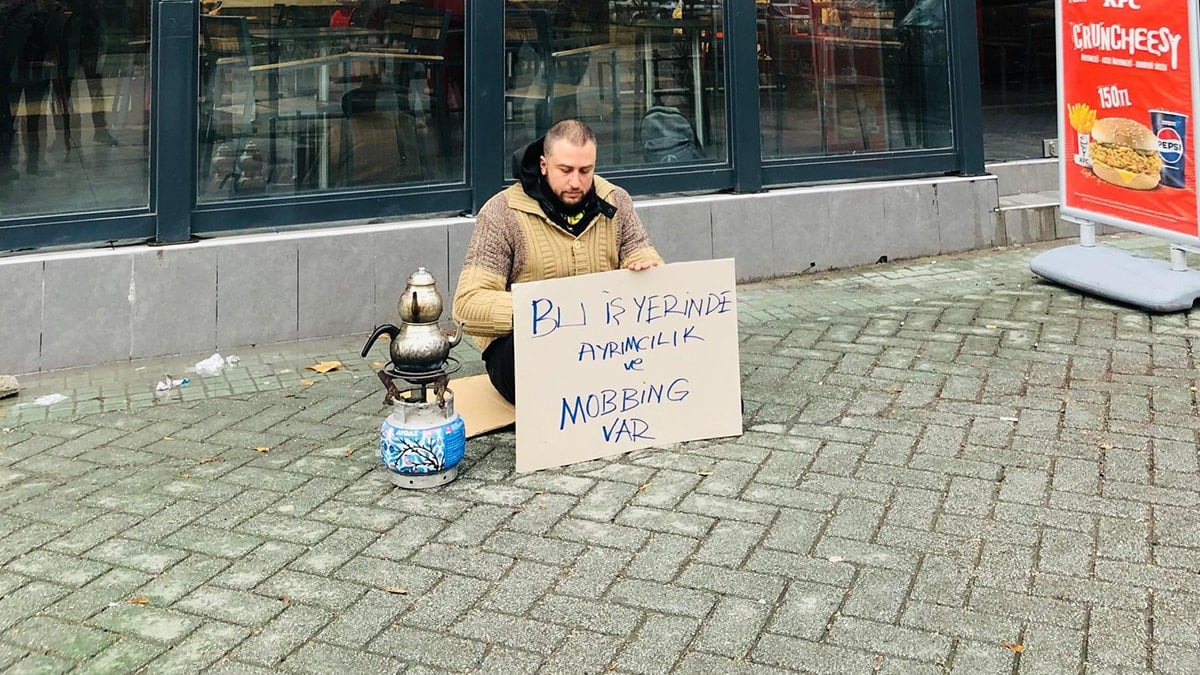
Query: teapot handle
386 328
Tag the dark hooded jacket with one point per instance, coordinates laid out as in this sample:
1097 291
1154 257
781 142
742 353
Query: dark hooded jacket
527 169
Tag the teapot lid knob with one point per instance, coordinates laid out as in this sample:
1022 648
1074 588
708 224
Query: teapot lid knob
421 277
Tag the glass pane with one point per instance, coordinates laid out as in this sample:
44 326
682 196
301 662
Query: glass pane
852 76
313 95
74 106
646 75
1017 71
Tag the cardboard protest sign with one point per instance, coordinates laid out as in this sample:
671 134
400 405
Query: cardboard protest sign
618 361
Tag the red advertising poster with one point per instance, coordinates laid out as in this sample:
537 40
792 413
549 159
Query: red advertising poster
1127 113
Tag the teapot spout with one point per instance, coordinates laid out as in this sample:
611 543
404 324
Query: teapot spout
456 337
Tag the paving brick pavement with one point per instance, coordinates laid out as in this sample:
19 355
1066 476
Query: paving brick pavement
948 466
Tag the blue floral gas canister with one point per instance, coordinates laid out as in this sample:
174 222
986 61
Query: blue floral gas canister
421 444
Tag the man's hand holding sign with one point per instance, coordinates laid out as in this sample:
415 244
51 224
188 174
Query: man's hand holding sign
612 362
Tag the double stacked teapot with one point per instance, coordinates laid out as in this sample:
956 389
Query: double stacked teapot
419 345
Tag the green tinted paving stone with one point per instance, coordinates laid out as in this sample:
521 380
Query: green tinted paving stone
282 635
258 565
131 496
42 664
27 601
310 589
241 607
147 622
200 649
284 528
137 554
213 541
200 490
436 649
57 567
183 578
117 585
377 573
334 551
124 656
319 659
60 638
168 520
351 515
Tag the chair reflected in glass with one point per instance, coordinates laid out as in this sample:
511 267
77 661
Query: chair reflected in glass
546 66
232 109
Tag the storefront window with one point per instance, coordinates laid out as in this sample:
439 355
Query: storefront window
74 106
646 75
318 96
1017 77
853 76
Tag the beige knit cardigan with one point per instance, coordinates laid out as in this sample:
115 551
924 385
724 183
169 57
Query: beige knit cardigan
514 242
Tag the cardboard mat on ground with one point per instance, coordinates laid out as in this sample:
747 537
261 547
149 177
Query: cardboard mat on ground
481 407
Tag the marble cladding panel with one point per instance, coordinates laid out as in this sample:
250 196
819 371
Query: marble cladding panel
256 292
87 317
857 227
680 231
911 217
174 300
800 231
336 285
20 316
965 215
742 231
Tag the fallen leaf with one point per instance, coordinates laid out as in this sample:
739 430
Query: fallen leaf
263 449
349 451
185 476
893 390
285 599
210 460
326 366
379 364
168 438
139 600
991 326
398 590
706 472
642 488
306 383
878 663
1013 646
1106 446
835 558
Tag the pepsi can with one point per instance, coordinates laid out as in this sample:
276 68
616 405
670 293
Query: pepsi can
1171 130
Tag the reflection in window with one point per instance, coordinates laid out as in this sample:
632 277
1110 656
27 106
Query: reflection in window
646 75
74 105
851 76
307 96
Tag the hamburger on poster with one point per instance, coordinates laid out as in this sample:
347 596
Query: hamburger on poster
1124 152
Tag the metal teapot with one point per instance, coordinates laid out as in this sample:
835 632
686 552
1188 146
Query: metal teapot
419 345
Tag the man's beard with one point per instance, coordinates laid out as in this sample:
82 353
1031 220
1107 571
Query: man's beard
560 204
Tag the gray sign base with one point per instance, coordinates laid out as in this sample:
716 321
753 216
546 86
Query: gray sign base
1119 275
